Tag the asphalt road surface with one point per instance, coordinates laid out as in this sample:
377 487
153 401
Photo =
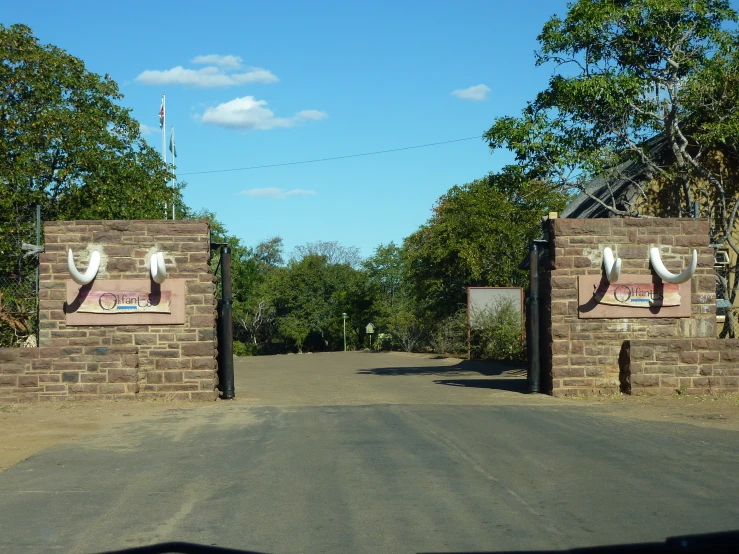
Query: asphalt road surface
374 453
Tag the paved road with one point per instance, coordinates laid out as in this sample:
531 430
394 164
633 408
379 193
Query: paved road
501 472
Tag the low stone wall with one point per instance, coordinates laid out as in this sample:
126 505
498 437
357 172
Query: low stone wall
120 361
693 366
85 372
30 374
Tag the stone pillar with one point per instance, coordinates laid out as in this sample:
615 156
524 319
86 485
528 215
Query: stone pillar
587 356
175 361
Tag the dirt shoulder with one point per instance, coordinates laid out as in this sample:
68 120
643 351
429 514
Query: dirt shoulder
29 428
339 379
715 411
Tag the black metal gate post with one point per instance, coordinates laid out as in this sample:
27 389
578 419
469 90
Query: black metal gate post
225 329
532 336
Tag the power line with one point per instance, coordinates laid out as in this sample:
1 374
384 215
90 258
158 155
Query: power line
330 159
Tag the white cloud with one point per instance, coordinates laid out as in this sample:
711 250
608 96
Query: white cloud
477 93
210 76
251 114
276 193
146 130
254 75
233 62
310 115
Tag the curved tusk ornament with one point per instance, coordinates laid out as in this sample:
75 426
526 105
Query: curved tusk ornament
666 276
612 267
158 268
92 268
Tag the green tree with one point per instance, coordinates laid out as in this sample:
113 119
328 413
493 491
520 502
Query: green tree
639 83
355 296
388 287
295 328
66 144
244 268
477 236
408 327
254 312
302 298
309 296
449 335
269 253
334 252
386 270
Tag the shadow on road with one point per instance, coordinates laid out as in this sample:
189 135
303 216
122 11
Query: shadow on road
482 367
708 543
515 384
497 375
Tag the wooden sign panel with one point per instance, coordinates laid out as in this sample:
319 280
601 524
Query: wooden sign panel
110 302
126 302
638 295
633 296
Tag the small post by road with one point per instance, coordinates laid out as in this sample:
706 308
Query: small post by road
344 315
369 330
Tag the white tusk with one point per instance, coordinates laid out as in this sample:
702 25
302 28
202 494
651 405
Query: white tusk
665 275
92 268
613 268
158 269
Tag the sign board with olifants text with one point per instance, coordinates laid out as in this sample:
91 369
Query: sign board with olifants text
632 296
120 301
126 302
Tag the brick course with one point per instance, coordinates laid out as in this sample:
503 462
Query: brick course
119 361
694 366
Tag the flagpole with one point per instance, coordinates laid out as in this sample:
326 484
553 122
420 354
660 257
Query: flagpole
164 138
174 149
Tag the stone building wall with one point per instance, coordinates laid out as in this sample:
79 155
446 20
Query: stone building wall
591 356
119 361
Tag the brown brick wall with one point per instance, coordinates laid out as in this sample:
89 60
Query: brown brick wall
585 353
176 361
692 365
55 373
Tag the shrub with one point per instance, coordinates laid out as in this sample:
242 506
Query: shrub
407 328
384 342
449 336
241 349
499 334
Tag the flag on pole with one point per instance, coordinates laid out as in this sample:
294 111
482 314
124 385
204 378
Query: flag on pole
161 114
171 144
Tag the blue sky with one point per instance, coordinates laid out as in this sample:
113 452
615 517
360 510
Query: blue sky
260 83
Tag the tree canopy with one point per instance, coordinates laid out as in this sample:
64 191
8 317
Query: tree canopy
67 144
477 236
647 84
334 252
627 72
